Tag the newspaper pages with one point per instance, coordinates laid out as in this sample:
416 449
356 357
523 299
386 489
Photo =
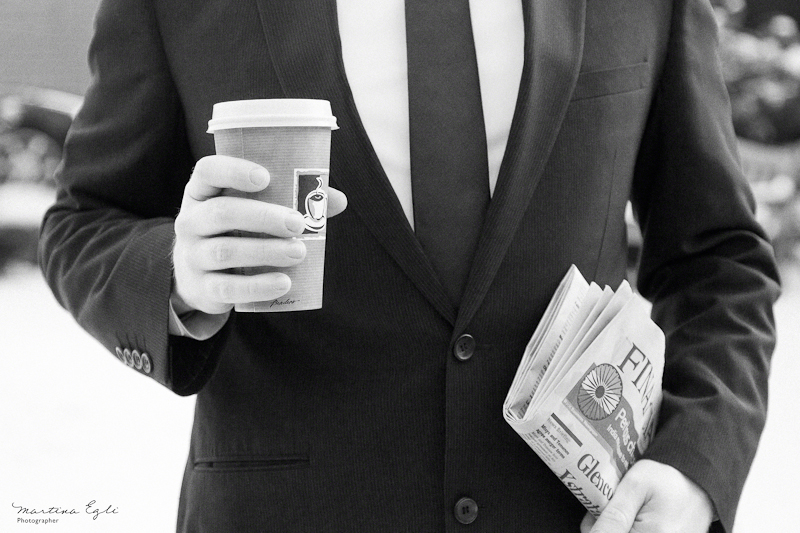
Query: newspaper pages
587 391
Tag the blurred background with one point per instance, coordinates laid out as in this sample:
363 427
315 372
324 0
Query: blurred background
78 426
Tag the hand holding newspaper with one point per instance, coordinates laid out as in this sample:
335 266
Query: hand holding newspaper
587 391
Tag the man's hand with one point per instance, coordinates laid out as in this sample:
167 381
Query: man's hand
653 498
202 250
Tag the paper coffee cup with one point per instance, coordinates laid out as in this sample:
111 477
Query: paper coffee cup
291 138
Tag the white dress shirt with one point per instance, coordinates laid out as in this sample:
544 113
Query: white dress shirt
374 54
379 81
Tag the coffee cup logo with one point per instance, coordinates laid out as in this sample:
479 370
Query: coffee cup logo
315 202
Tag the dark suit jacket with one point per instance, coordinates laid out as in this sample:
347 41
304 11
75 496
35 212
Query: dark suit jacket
358 416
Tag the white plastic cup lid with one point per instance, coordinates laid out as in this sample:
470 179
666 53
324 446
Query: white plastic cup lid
272 113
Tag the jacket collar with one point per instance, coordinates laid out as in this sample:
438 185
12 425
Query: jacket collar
305 49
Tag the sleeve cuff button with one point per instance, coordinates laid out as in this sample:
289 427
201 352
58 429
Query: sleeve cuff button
137 359
147 365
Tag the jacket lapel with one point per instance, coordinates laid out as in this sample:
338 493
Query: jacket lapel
554 31
305 49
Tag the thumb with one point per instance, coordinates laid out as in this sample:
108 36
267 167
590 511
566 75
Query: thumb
587 522
337 202
621 511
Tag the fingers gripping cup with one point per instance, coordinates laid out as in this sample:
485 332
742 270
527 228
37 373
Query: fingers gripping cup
291 138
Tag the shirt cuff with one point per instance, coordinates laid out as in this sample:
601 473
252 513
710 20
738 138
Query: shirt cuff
194 324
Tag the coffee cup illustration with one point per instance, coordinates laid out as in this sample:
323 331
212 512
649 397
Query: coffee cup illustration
316 208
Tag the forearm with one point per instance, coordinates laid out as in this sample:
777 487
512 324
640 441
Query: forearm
113 276
707 267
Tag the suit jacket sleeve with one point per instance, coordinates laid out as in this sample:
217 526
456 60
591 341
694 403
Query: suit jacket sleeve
707 267
105 246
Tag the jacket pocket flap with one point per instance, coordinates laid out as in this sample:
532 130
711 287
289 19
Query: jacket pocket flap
611 81
239 463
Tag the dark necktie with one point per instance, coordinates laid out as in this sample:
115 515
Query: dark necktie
449 168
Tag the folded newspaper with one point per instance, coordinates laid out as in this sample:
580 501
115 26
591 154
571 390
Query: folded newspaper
587 391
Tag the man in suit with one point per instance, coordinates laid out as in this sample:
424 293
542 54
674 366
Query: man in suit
382 410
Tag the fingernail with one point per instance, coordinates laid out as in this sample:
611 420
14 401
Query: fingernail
259 177
296 250
295 222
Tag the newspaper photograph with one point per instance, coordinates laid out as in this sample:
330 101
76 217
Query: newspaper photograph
588 388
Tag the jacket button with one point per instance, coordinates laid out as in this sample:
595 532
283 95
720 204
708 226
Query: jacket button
466 510
464 347
120 355
128 357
